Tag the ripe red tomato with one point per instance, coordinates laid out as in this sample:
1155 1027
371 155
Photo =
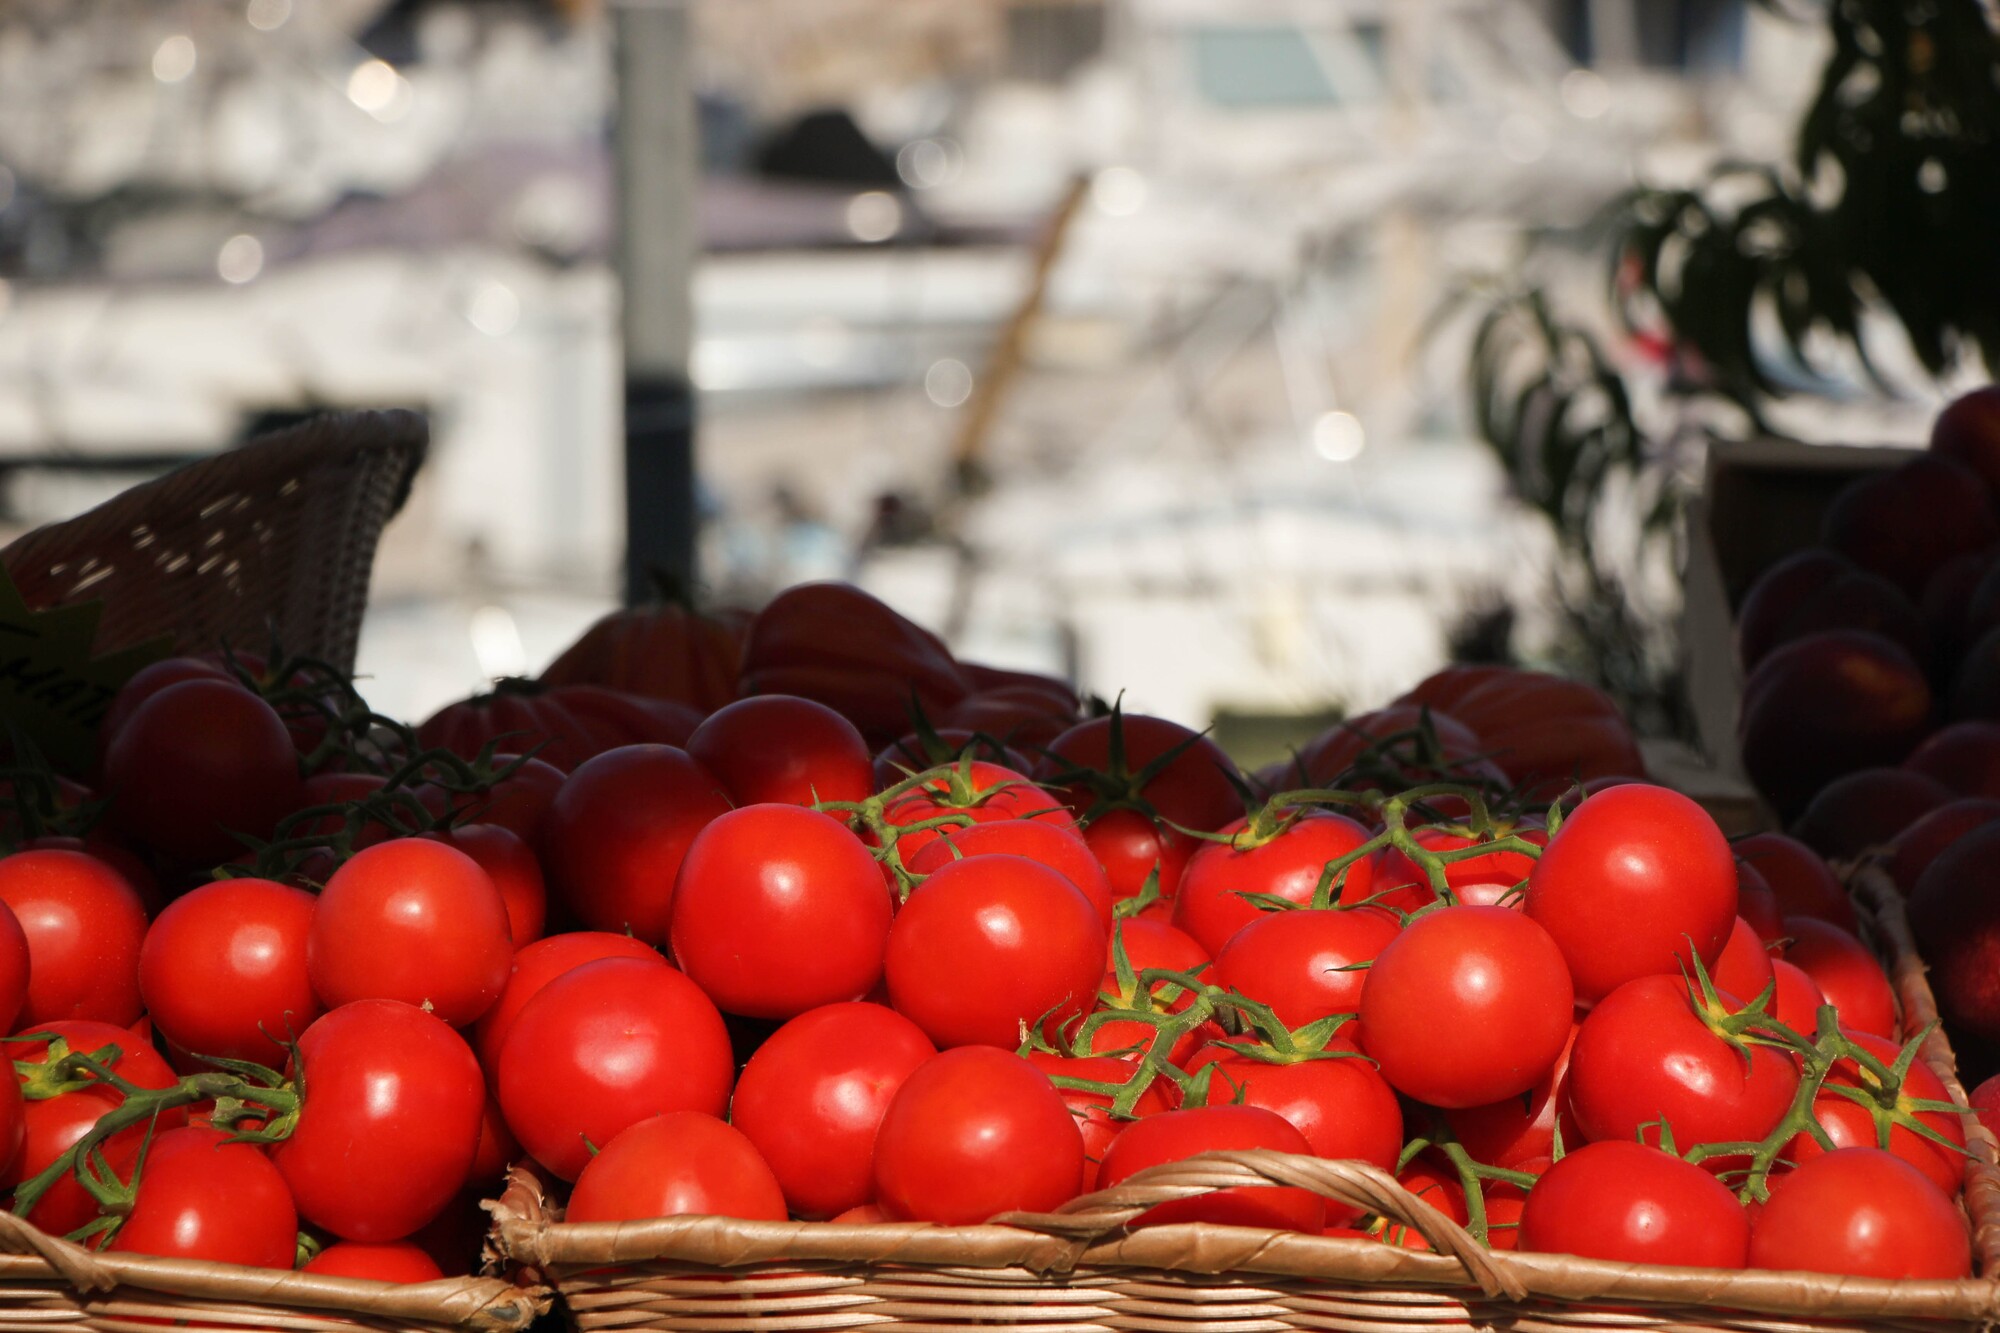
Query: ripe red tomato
1149 945
778 748
512 868
223 971
973 1133
1093 1109
1644 1054
1744 969
534 967
148 681
814 1094
197 764
52 1124
1519 1129
379 1261
982 792
517 803
388 1121
989 943
1803 882
1497 873
1846 972
1757 904
1631 877
1861 1212
13 1127
672 1164
13 967
496 1152
615 834
1298 962
203 1197
411 920
1799 997
1173 1136
1912 851
779 909
1210 905
84 926
1466 1006
1131 846
1061 850
602 1047
1193 789
1850 1125
1634 1204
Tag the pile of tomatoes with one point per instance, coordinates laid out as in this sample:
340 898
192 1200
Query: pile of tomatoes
291 983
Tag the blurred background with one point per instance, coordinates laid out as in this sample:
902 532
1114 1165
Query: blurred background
1137 341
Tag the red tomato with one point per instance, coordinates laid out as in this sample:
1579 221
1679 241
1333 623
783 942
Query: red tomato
603 1047
1210 905
411 920
779 909
1061 850
534 967
1862 811
84 926
1757 904
1632 876
1799 997
1131 846
1367 750
973 1133
1396 871
1864 1213
1174 1136
780 749
1519 1129
1540 729
914 753
1634 1204
198 764
867 1215
1192 789
1745 967
1804 884
1644 1054
388 1122
1985 1103
672 1164
989 943
148 681
1466 1006
13 1127
1093 1109
982 792
1850 1125
13 966
1846 973
1148 945
615 834
223 971
1912 851
512 868
496 1152
1299 963
52 1124
203 1197
379 1261
518 802
814 1094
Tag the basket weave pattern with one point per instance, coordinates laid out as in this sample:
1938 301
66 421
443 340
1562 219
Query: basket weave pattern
276 536
1078 1271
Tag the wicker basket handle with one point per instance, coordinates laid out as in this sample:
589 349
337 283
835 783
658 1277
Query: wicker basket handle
76 1265
1356 1184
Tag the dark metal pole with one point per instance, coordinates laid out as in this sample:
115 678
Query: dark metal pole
659 172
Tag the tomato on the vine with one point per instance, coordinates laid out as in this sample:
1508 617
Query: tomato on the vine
202 1196
1634 1204
1212 904
1846 972
674 1163
1861 1212
1061 850
1132 847
1306 965
1091 1108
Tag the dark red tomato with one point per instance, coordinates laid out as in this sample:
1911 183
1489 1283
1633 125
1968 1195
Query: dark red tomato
989 943
13 967
223 971
601 1048
1850 1125
517 803
379 1261
1306 965
198 764
13 1127
982 792
1860 812
1210 904
1061 850
388 1123
1803 882
673 1164
203 1197
1632 876
1744 969
53 1124
1964 756
1799 997
1412 886
1394 736
615 834
779 909
1634 1204
1861 1212
973 1133
914 753
411 920
1193 790
84 925
1093 1109
514 871
1644 1054
814 1094
1756 904
535 966
1846 972
1131 846
778 748
148 681
565 725
1912 851
1519 1129
1467 1005
1174 1136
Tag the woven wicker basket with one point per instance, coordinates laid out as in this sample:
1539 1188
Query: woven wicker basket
276 536
1077 1271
